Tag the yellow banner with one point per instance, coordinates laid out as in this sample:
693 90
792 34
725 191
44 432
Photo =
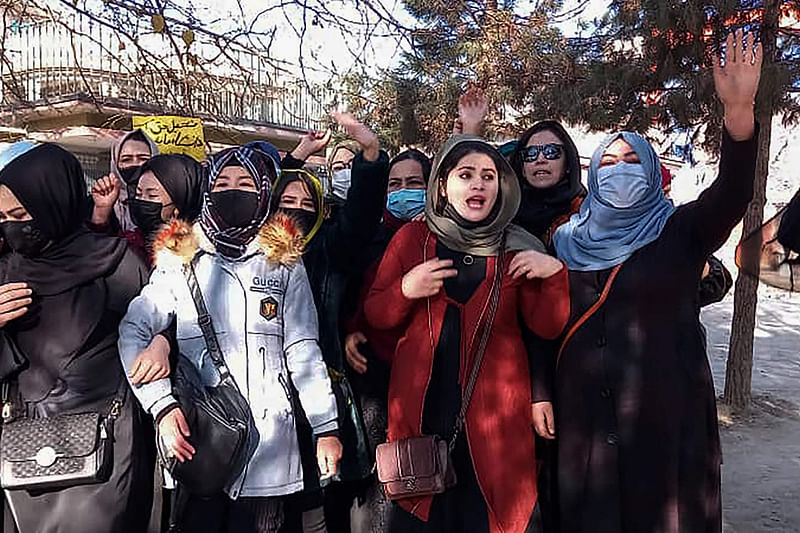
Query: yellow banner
175 135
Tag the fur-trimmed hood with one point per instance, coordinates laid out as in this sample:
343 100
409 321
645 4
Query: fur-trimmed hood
279 240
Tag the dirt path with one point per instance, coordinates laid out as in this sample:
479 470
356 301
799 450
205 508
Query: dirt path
761 452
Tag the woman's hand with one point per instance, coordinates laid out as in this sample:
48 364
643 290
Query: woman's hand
152 364
472 110
14 301
544 422
173 430
329 452
428 278
360 133
105 194
737 82
533 264
355 358
311 143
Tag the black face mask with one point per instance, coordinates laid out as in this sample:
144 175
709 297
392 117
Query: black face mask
128 175
304 219
146 215
236 208
24 237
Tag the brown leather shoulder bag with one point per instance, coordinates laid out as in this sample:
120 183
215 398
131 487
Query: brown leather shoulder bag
420 466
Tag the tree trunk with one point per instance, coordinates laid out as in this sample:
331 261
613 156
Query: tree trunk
738 374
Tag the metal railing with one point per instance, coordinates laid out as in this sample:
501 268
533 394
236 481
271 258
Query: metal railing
46 63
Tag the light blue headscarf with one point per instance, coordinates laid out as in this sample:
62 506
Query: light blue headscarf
602 236
15 150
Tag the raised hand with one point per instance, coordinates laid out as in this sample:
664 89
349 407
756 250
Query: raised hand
311 143
105 194
737 82
472 110
428 278
458 127
360 133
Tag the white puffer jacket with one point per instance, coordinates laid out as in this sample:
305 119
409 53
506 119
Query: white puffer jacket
264 316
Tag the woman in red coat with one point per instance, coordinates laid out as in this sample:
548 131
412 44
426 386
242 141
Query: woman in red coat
435 280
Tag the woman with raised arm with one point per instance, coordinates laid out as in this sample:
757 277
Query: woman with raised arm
638 442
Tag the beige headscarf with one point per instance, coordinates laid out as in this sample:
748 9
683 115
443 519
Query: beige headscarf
121 209
485 239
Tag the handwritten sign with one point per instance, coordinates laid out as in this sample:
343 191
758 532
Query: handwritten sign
175 135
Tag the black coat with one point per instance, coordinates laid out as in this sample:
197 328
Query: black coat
335 260
90 373
638 442
789 230
89 383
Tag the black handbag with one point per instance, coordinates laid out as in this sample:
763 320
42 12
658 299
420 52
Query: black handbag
223 431
57 452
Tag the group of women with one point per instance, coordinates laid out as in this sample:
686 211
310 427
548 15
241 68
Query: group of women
547 332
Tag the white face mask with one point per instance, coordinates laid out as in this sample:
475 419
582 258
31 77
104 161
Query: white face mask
622 185
340 183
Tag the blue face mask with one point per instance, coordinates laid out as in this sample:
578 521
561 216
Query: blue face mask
405 204
622 185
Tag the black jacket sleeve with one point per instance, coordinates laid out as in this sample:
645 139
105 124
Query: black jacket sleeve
719 208
541 358
358 222
126 282
789 229
112 227
12 360
290 162
716 284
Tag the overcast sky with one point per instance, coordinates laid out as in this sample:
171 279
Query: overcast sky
326 50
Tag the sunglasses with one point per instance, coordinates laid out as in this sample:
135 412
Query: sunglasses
550 151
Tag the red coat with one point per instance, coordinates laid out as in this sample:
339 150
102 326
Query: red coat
498 424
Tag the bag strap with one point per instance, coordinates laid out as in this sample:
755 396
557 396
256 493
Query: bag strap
480 351
7 406
119 399
206 324
590 312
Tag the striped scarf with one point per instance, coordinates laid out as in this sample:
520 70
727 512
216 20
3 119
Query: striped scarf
263 166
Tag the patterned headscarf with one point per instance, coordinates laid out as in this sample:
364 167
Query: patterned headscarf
260 162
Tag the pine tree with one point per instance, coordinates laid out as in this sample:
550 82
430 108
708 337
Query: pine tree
513 58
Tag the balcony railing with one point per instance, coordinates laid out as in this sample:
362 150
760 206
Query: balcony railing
45 64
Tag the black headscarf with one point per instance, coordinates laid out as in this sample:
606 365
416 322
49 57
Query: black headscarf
67 278
412 154
48 181
541 207
184 180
